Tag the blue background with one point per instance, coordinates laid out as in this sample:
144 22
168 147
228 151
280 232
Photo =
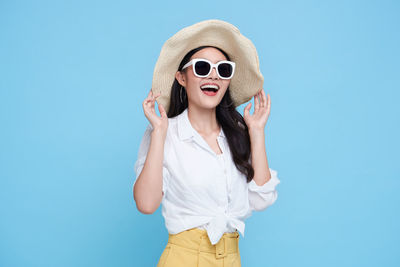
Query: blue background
73 75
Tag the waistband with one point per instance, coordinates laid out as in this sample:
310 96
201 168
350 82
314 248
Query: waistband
197 239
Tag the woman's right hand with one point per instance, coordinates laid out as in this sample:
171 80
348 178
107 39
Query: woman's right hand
158 123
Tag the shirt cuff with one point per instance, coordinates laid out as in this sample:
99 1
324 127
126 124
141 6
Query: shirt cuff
268 186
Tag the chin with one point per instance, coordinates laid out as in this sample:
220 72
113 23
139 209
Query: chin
210 105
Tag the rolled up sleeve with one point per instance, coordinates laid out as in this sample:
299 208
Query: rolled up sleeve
261 197
142 155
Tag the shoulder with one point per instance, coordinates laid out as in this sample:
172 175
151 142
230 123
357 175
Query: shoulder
172 121
172 127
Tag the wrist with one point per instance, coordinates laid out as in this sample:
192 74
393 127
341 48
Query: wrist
256 131
158 133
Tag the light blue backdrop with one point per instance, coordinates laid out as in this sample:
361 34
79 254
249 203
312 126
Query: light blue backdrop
73 75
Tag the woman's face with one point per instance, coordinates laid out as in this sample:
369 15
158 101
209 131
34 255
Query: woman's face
192 83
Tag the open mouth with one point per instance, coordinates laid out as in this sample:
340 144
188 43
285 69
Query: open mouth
209 89
213 88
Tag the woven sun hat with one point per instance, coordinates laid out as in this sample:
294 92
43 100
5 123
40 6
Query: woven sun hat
247 79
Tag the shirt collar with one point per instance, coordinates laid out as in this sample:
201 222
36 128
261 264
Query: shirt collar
186 129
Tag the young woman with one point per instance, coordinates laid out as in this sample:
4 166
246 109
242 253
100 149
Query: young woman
203 160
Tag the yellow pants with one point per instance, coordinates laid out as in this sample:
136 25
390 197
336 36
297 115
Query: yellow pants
192 248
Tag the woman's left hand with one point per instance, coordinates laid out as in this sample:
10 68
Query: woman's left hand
262 107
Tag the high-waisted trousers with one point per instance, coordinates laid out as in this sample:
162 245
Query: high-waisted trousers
192 248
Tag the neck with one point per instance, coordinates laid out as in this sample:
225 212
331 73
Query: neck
203 120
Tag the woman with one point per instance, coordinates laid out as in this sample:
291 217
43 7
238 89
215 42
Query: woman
196 157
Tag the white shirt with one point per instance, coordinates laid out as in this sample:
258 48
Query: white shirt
201 188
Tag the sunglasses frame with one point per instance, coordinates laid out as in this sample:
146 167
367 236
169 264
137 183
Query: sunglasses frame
193 62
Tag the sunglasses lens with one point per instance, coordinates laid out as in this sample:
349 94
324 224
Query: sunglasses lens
202 68
225 70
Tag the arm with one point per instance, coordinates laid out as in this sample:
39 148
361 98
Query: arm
150 171
256 125
259 157
262 192
148 187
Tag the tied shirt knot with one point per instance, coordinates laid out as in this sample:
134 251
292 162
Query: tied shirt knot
218 225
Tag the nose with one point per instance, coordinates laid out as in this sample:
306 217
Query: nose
214 73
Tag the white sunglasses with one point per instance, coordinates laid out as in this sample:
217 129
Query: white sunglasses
203 67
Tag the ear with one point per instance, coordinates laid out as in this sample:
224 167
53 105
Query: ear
180 77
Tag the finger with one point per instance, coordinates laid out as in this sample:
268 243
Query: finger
148 107
256 103
264 98
147 100
150 103
247 109
153 97
162 111
156 95
269 103
148 95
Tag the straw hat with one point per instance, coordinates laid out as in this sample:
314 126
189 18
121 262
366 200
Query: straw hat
246 81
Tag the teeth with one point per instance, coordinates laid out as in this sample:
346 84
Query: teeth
209 86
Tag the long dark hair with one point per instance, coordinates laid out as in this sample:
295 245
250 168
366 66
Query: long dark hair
228 117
